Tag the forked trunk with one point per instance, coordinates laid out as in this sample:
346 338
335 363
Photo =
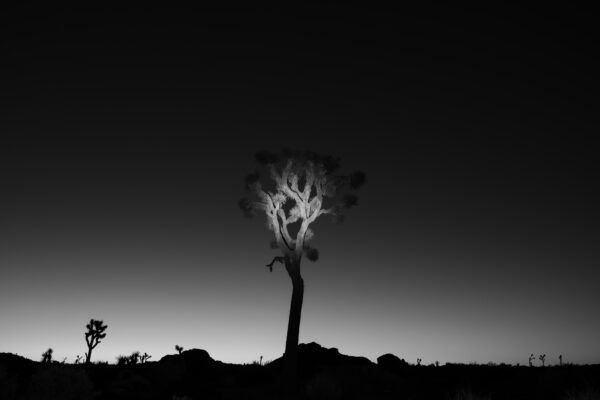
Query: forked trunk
291 344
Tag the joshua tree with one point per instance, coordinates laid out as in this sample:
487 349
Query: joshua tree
531 359
95 332
78 359
300 185
145 357
543 359
134 358
560 360
178 348
419 362
47 356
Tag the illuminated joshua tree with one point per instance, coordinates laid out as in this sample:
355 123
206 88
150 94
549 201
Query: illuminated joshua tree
95 332
301 187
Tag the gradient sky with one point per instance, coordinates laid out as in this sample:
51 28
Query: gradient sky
126 135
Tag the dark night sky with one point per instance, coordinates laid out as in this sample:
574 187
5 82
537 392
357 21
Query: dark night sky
126 134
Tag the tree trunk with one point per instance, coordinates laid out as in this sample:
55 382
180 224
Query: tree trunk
291 344
88 356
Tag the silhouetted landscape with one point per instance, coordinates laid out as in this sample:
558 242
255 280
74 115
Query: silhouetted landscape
324 374
303 200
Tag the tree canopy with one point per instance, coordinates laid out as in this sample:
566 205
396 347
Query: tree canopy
294 188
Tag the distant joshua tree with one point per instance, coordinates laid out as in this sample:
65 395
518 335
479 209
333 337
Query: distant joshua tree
134 358
178 348
531 359
437 363
543 359
78 359
145 357
560 360
47 356
295 195
419 362
95 332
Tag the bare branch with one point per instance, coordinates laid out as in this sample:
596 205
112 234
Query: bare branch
277 231
300 237
284 229
334 211
314 209
310 180
275 259
283 183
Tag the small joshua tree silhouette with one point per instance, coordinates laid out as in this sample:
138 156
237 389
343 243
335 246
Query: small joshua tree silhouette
531 359
437 363
145 357
47 356
419 361
560 360
78 359
134 358
178 348
542 358
95 332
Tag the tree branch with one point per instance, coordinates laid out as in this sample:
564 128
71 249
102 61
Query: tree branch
330 210
284 229
278 259
300 237
310 180
283 184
